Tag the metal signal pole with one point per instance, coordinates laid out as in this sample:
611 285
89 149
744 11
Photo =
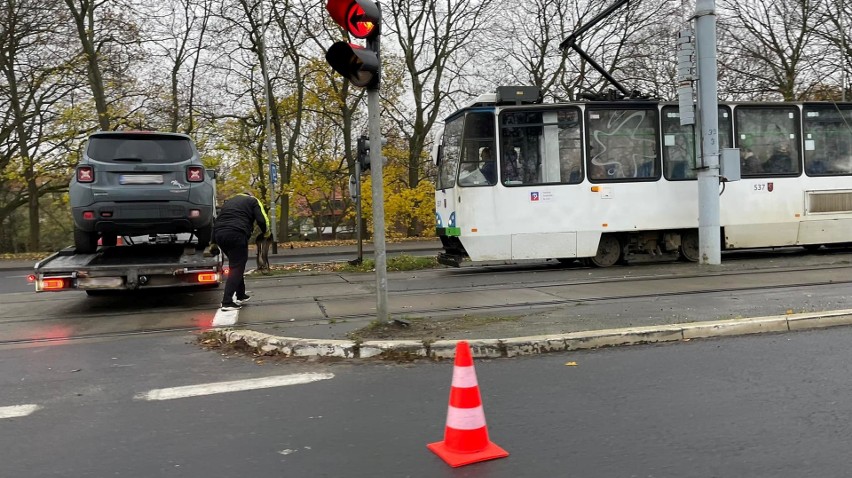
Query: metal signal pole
373 113
709 228
844 62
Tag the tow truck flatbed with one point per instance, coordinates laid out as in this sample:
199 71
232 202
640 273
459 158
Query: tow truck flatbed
128 267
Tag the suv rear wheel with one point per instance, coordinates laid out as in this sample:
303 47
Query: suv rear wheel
85 242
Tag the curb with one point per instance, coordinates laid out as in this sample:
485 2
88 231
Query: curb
265 344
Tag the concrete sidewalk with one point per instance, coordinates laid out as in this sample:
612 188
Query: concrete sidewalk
314 314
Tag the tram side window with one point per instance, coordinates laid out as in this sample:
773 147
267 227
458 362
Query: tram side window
678 146
679 161
478 166
450 156
828 140
540 147
768 138
622 144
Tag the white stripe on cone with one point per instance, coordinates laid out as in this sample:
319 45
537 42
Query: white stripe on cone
464 377
465 418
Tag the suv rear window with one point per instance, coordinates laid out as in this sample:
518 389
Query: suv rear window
141 149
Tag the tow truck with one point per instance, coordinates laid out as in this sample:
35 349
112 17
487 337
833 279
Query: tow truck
157 261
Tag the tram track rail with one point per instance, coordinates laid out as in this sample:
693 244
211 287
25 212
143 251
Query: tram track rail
425 283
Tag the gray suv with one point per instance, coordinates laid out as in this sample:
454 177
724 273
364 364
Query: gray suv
137 183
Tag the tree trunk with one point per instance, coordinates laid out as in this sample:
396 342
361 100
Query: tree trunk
84 20
35 225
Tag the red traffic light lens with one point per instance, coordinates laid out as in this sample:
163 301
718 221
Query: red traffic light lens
360 25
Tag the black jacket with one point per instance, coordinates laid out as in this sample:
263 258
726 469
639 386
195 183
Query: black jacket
239 213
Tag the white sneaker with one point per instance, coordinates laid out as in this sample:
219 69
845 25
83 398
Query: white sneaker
242 301
228 308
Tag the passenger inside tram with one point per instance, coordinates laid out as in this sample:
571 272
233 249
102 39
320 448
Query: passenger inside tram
780 160
511 168
678 159
477 173
749 162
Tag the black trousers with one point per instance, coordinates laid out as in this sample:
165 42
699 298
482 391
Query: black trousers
235 246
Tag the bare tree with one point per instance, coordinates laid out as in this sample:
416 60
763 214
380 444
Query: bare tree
179 34
32 67
435 38
834 28
294 26
769 49
107 38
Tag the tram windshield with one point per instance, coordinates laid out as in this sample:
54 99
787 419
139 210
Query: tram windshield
449 159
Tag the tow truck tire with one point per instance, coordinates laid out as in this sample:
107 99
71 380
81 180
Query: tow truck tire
204 234
85 242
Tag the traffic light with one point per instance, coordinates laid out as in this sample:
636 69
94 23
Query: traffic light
362 19
364 152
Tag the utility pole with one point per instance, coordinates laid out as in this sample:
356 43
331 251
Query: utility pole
273 170
709 228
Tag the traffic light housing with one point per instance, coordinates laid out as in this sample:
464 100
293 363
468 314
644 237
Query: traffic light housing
361 19
364 152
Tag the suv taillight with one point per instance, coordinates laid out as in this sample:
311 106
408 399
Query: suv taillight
195 174
85 174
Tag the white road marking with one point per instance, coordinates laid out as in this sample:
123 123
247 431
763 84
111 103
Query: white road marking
233 386
225 318
17 411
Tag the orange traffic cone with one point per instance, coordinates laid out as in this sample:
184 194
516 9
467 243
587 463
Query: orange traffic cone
465 435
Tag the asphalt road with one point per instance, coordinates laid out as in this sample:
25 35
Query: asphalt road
14 281
759 406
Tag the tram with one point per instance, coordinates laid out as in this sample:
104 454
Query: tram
615 181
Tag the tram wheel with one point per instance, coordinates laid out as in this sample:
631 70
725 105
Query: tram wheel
609 252
689 250
812 247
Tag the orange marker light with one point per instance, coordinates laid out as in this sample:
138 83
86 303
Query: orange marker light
604 225
52 284
473 229
596 189
208 277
